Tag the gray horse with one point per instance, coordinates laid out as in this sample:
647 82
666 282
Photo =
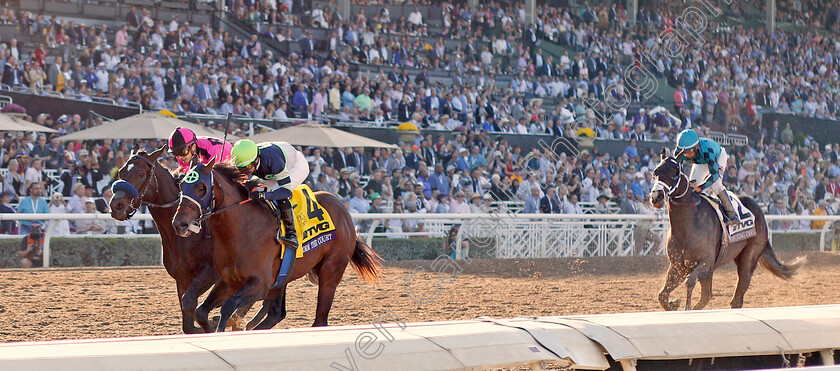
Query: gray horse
695 237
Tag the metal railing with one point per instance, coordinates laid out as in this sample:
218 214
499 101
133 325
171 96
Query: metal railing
504 235
729 139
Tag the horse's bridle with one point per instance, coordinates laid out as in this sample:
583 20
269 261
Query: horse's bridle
205 212
138 201
669 190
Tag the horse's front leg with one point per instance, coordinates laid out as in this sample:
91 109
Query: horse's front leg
214 299
253 290
189 299
672 280
701 271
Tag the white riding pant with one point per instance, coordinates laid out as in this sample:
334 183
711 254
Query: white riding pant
700 171
297 172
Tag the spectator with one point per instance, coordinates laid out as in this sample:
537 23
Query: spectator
549 204
413 225
476 204
376 204
395 225
58 206
442 204
572 207
532 202
358 203
32 204
95 226
778 208
7 226
31 252
602 207
459 205
34 174
76 205
14 181
834 243
820 210
102 202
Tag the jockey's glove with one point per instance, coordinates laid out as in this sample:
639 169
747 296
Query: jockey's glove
257 194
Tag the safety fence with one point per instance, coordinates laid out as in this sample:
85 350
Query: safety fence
493 235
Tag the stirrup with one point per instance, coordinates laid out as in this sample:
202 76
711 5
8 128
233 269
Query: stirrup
286 242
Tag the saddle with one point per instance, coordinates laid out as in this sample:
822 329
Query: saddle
733 233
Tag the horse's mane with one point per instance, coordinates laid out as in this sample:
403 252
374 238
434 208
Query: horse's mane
232 175
174 173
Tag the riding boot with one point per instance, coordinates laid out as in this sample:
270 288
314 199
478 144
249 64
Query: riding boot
732 217
287 217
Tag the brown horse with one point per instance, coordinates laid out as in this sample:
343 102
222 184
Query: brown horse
188 260
695 237
247 257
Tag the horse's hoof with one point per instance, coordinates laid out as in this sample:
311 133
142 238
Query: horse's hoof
193 330
673 305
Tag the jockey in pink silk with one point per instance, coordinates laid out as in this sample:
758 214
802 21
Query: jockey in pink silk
190 149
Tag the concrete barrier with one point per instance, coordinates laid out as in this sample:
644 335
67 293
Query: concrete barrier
580 342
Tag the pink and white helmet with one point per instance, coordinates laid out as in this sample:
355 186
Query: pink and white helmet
180 139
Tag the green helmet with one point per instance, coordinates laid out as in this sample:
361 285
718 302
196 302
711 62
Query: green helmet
244 152
687 139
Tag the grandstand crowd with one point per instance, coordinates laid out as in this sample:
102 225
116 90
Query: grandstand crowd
170 64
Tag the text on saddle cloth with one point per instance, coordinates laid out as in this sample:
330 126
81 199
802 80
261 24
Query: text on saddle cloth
313 223
740 231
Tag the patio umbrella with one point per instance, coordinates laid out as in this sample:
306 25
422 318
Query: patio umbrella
12 123
149 125
314 134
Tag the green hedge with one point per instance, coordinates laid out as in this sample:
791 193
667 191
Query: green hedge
109 252
797 241
90 252
409 248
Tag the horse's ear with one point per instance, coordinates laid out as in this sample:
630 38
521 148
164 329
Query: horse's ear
157 153
209 167
664 154
135 148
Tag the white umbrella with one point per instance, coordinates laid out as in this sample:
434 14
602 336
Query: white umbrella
149 125
313 134
12 123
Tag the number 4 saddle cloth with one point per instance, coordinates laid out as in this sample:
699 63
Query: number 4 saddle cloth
733 233
313 223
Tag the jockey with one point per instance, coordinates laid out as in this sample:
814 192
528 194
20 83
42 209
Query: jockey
190 149
706 151
277 161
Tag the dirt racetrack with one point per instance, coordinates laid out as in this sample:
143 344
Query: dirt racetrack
48 304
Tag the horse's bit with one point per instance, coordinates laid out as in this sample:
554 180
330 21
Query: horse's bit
660 185
139 199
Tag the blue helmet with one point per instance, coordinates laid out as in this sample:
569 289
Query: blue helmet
687 139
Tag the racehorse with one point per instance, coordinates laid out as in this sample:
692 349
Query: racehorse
247 257
188 260
695 238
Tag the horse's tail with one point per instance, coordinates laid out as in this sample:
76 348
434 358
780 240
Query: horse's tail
771 262
368 263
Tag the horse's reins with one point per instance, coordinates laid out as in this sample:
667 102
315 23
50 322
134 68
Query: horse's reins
205 215
139 199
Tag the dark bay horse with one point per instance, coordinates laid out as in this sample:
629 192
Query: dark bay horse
188 260
695 237
247 257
